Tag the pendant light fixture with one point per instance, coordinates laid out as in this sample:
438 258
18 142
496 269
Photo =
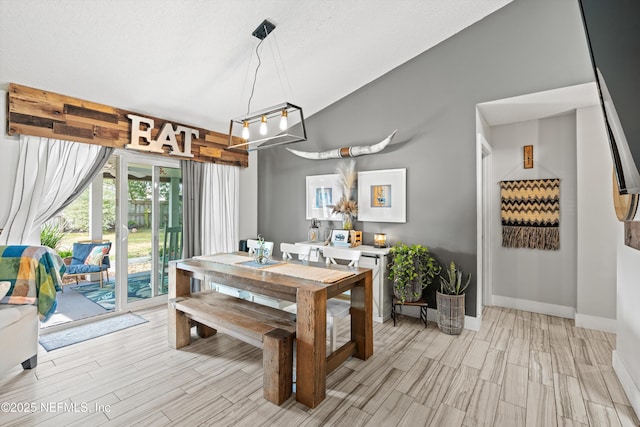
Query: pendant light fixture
277 125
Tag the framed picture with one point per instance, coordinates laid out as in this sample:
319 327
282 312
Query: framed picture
382 195
340 237
323 191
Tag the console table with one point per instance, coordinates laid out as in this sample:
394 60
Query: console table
377 259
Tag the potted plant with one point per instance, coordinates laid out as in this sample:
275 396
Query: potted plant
450 300
412 269
262 253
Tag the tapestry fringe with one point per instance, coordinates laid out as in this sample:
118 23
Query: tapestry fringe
547 238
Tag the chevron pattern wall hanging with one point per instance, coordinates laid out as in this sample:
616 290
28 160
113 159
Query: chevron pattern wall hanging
530 213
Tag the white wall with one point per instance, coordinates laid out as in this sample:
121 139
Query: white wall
249 198
534 279
625 359
597 225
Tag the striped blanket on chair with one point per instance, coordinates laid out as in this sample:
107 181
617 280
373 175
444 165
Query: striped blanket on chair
35 274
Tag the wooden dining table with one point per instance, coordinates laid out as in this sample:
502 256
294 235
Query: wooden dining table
307 285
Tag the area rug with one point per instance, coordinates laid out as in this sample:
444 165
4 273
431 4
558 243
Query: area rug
88 331
530 213
138 288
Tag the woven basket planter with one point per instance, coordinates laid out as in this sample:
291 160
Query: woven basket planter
450 313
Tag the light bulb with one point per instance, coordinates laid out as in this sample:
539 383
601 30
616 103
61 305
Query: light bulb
263 125
283 120
245 130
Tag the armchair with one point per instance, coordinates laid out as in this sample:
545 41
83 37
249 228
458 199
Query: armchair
88 256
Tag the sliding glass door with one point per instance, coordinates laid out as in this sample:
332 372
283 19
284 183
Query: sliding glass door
149 227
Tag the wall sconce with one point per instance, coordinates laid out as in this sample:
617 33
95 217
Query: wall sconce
379 240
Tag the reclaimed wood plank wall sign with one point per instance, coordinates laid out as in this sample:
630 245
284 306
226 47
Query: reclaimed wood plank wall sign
41 113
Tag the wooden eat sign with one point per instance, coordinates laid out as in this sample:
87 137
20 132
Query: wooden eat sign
47 114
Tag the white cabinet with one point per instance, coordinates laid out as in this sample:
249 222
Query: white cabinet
376 259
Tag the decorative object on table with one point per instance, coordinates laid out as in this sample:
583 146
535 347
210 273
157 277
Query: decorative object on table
314 229
412 269
527 153
379 240
340 238
323 191
339 153
271 126
346 206
530 213
355 238
262 252
382 195
450 300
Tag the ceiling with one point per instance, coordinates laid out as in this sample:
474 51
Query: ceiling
192 61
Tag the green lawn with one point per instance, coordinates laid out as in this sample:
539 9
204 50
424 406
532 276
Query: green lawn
139 242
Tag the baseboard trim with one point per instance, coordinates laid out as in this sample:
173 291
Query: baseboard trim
597 323
629 386
534 306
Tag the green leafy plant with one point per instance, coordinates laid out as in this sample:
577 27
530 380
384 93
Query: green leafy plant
452 285
411 265
51 234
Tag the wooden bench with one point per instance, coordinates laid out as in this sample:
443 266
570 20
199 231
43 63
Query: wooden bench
264 327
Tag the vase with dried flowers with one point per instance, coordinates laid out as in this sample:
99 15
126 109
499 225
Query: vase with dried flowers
347 177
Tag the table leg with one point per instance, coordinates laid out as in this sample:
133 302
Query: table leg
362 317
311 342
178 325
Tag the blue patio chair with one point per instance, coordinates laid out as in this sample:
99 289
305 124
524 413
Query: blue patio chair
88 256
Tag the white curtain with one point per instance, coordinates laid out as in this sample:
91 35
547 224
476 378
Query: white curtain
220 205
50 174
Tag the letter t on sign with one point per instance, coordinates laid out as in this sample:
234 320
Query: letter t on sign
528 156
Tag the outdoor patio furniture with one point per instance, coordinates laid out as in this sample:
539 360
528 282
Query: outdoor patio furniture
88 256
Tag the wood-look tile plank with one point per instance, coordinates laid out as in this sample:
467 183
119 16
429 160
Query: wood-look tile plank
540 321
558 336
522 328
494 365
447 416
593 386
392 409
438 346
514 386
602 416
455 352
461 388
616 392
435 389
353 417
566 422
416 377
627 416
500 340
539 340
602 351
482 406
417 416
381 391
518 352
486 331
508 415
507 319
581 351
475 355
569 400
540 369
541 408
562 361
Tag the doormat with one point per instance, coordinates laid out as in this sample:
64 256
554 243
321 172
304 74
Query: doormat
88 331
530 213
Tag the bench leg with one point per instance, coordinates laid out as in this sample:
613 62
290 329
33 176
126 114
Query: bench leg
204 331
277 363
178 328
30 363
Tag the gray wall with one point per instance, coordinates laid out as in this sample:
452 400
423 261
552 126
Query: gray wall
531 274
527 46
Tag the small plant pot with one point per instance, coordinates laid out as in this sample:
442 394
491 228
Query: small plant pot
450 313
412 292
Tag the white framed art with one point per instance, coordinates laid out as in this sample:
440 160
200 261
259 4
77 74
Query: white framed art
382 195
323 191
